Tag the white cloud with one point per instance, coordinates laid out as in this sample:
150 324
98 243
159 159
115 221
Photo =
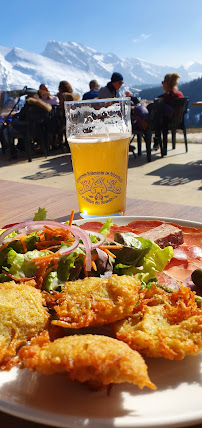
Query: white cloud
142 37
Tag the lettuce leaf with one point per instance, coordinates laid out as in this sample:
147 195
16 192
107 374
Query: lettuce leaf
12 234
21 264
133 249
51 281
105 229
40 214
67 263
154 261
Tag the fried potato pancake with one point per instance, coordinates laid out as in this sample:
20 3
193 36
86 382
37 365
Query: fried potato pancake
86 358
96 301
22 316
167 325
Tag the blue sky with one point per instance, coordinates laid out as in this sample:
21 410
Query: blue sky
161 32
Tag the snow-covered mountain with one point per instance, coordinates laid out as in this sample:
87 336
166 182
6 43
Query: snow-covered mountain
79 64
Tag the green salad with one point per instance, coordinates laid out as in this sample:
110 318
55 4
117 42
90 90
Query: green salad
52 253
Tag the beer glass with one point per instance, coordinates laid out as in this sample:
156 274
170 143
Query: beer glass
98 132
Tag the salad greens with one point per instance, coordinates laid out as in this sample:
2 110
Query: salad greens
40 215
154 261
133 256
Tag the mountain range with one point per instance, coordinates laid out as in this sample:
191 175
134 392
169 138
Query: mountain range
79 64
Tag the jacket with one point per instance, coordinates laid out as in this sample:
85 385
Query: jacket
108 91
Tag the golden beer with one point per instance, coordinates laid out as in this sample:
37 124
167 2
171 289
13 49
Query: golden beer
100 169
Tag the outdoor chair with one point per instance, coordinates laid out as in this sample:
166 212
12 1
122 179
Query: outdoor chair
175 122
56 126
2 139
36 130
154 119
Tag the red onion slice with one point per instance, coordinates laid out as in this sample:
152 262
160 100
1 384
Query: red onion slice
63 251
101 239
30 226
87 244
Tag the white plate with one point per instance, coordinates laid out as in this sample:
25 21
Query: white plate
53 400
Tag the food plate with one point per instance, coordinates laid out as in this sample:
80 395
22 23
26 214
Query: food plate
53 400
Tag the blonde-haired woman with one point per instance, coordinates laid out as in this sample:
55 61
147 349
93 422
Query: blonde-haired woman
65 93
171 92
170 86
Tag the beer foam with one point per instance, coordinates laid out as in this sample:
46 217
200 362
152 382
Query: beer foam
98 138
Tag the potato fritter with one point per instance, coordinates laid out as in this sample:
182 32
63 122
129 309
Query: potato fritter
86 358
96 301
22 316
167 325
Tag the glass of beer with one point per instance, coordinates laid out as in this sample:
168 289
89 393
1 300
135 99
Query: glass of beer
98 132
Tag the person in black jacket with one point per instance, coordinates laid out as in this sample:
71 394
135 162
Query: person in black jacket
111 90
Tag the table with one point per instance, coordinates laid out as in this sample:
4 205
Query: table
197 103
20 201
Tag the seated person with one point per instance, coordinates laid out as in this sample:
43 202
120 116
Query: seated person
18 126
171 92
65 93
139 113
45 95
93 93
111 90
170 86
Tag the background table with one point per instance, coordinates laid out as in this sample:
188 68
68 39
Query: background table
20 201
197 103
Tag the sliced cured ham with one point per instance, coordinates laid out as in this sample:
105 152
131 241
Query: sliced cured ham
94 226
186 259
141 226
167 281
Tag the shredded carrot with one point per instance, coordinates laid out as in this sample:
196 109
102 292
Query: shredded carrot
54 266
44 258
95 256
48 250
55 229
109 253
18 238
61 233
113 247
22 240
15 277
41 273
84 265
71 217
4 245
51 242
49 228
94 266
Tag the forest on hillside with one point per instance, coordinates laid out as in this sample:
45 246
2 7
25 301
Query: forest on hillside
191 90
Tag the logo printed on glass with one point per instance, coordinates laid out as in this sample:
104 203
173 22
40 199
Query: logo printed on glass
99 187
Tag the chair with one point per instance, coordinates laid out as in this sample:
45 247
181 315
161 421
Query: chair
139 144
154 119
2 139
56 126
37 130
177 121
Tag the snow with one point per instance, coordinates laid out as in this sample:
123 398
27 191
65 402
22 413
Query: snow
79 64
